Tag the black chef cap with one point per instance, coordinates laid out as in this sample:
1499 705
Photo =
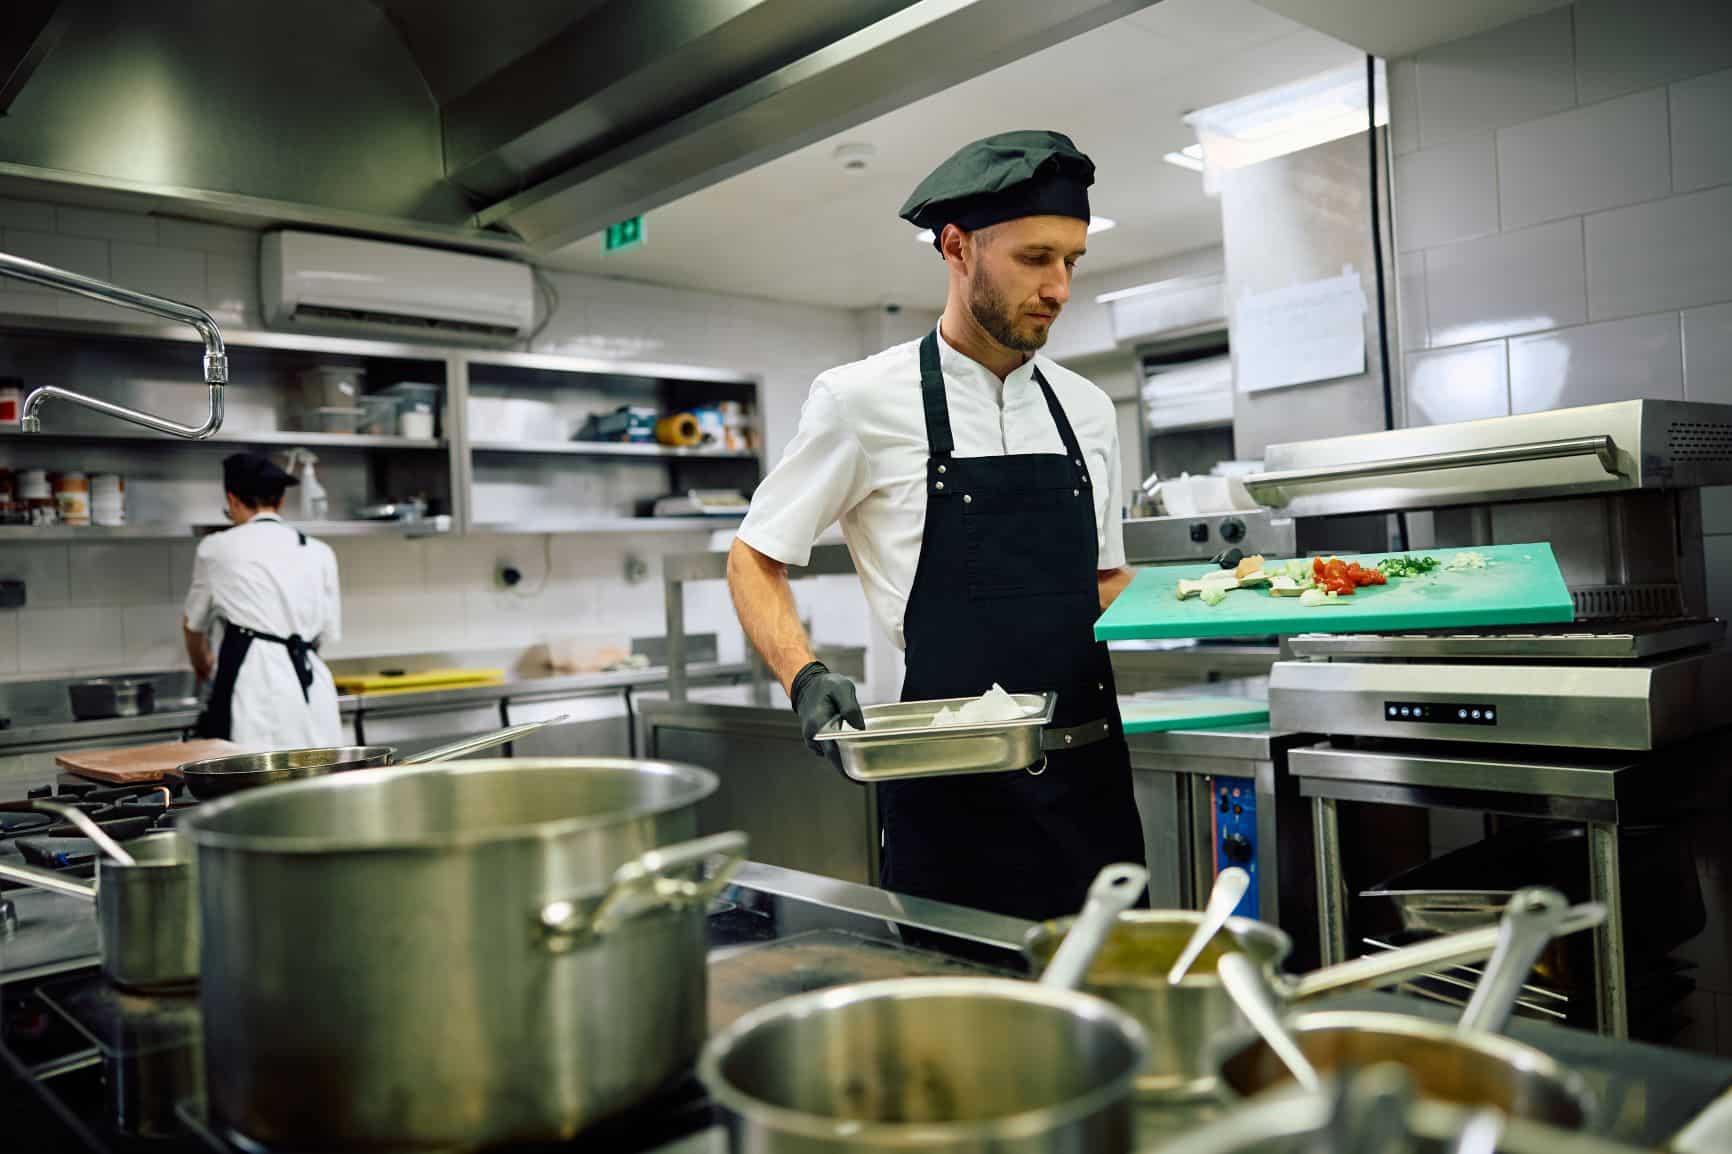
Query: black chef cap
255 480
1003 177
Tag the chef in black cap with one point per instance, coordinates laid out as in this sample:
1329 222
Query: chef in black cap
978 487
270 591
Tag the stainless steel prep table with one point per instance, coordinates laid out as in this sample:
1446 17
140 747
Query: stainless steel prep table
1601 791
780 931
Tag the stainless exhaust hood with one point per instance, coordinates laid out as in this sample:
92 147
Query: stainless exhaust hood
520 124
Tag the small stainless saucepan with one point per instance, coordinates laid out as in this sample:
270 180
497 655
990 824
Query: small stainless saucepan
1467 1064
1183 1019
146 911
938 1065
220 776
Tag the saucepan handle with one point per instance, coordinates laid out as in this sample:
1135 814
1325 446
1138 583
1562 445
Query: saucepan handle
653 881
47 880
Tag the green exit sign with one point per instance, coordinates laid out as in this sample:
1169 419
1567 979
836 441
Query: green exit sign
625 234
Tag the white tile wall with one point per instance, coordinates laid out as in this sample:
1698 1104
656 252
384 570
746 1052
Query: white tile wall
1447 193
120 574
1591 158
1609 273
1505 76
152 636
1702 131
1410 299
211 238
28 214
1516 282
175 273
1626 45
62 640
77 254
1591 364
42 568
1708 354
1458 384
1666 254
1402 76
130 226
103 608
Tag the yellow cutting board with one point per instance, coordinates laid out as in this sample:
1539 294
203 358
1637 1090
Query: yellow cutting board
421 679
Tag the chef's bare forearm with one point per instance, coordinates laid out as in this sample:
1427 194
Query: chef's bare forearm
198 652
764 603
1112 582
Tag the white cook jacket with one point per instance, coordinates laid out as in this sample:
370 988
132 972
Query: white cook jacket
260 576
860 457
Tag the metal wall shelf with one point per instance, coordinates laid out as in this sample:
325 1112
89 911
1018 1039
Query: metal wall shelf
612 525
95 534
460 365
286 437
607 449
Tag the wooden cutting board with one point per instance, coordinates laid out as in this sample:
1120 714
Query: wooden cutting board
127 765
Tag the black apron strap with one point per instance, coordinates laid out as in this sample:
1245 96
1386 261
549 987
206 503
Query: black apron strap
1065 432
217 720
939 442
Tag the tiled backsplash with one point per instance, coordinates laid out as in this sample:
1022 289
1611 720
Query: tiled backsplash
1563 216
117 607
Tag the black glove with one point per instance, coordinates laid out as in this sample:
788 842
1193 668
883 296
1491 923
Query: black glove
819 696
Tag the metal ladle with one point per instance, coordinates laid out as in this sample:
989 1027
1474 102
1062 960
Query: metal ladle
1230 887
87 826
1110 894
1256 1001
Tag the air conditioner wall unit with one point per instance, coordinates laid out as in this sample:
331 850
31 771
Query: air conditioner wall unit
312 280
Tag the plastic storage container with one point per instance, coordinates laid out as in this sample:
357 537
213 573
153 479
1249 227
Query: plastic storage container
378 415
331 419
417 408
332 386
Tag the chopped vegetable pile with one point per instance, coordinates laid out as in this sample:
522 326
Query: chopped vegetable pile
1322 580
1343 577
1408 566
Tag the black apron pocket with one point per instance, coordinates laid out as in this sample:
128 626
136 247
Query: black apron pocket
1008 558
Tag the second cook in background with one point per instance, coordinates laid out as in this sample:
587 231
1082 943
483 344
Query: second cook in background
978 488
272 590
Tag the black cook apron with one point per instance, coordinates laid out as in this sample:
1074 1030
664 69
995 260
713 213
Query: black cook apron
217 720
1007 591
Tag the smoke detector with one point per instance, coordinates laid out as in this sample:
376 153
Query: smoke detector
854 156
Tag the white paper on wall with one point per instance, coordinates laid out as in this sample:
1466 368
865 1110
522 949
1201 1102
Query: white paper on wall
1305 332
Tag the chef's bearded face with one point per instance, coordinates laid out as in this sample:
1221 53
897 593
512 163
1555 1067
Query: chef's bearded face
1017 276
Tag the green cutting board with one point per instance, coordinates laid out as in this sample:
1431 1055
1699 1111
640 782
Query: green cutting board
1520 585
1154 714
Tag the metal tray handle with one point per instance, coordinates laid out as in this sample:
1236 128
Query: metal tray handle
644 885
1602 447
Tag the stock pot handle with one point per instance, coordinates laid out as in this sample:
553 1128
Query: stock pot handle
643 885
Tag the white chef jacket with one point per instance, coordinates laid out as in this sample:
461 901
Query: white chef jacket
860 456
260 576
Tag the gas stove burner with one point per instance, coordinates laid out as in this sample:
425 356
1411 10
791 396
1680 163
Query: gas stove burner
16 823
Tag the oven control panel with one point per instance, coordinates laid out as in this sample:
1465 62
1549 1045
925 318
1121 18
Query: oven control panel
1235 827
1441 712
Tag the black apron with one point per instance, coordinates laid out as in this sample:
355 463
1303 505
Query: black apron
1007 591
217 720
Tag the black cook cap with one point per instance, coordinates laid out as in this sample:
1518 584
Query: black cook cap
256 480
1003 177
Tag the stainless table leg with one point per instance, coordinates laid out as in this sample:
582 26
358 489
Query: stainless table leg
1605 885
1331 912
1202 811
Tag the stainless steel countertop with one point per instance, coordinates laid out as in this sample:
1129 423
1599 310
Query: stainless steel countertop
24 735
1253 742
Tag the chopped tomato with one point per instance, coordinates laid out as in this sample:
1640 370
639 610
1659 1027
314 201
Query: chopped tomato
1343 577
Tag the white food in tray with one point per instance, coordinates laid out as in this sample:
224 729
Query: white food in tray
993 705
